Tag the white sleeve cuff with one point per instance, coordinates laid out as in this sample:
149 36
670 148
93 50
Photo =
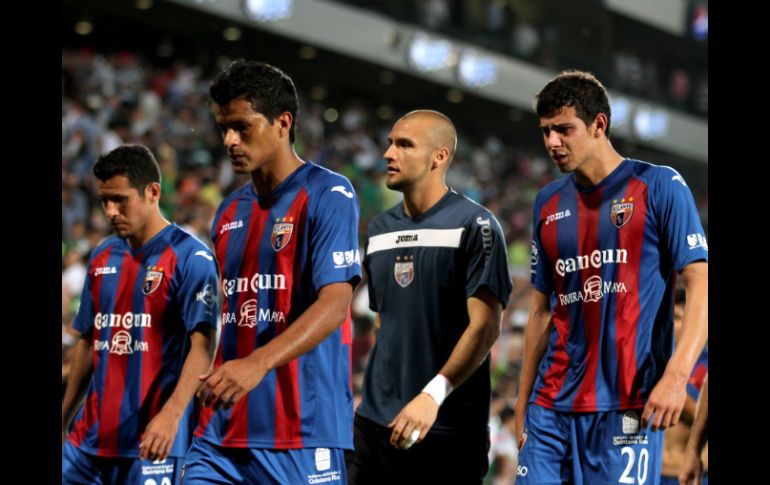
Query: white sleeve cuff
438 388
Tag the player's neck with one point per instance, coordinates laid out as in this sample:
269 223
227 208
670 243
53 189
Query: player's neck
269 176
418 201
156 224
598 167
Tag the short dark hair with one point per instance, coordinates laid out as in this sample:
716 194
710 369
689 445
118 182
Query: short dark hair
269 90
135 162
578 89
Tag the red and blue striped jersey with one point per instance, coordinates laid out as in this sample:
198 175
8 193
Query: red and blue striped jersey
137 308
275 254
608 257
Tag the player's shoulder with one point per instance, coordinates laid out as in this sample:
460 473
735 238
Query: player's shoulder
321 179
110 243
553 188
187 245
244 190
466 210
655 174
386 221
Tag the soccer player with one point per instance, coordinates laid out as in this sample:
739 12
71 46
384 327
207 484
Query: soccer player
601 376
675 437
278 403
146 320
692 468
438 280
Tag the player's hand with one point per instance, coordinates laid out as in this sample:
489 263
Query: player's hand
413 422
692 468
665 402
159 435
228 383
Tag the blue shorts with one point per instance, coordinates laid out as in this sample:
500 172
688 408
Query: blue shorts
79 467
210 463
588 448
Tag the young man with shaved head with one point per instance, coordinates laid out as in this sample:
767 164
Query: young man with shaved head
438 280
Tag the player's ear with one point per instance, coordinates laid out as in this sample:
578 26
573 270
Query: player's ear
441 158
153 191
285 121
600 124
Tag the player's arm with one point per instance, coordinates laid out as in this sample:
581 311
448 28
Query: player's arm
377 324
159 435
535 344
484 312
692 467
80 372
227 384
667 398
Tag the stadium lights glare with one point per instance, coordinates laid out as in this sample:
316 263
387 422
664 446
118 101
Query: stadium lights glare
650 123
268 10
621 110
428 54
476 70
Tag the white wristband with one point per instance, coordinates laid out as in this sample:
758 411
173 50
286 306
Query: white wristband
438 388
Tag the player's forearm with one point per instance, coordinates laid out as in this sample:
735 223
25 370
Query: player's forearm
699 431
694 322
197 362
320 319
81 367
477 340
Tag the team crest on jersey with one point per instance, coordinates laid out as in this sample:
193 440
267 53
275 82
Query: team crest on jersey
152 279
621 212
282 231
404 270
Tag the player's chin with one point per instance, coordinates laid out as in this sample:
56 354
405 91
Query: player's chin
395 183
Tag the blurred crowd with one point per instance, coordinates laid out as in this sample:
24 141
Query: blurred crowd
543 33
117 98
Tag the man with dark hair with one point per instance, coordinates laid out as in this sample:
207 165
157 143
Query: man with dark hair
278 402
601 374
438 280
146 320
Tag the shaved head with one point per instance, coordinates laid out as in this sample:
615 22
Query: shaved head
441 132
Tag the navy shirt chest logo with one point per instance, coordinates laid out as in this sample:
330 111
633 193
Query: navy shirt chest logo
404 270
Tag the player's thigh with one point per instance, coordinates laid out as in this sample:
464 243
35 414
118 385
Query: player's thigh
207 463
148 472
448 458
78 467
545 455
369 461
613 448
306 465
